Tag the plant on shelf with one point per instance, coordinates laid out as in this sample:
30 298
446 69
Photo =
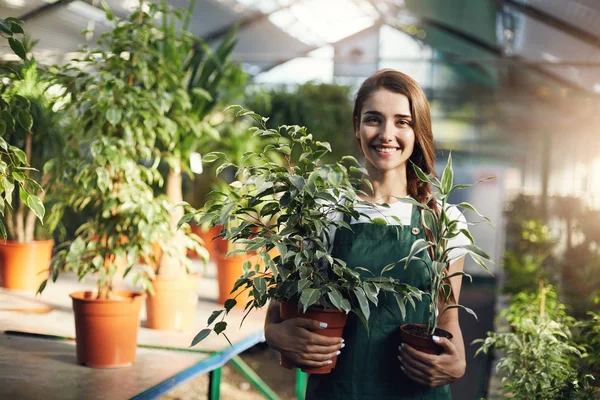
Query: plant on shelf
28 138
442 228
127 219
291 208
540 360
151 87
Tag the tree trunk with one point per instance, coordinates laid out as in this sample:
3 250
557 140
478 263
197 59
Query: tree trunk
170 264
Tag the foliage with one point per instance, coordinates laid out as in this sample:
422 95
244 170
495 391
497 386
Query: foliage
291 208
590 338
325 110
14 166
442 229
39 133
127 216
540 361
528 263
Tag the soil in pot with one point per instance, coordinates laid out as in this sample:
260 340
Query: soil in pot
173 305
416 336
106 330
24 266
335 319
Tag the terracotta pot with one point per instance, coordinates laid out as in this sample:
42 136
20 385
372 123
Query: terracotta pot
173 305
106 330
229 270
24 266
422 343
335 319
211 242
151 259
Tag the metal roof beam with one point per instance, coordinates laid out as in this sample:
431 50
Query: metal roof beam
244 23
556 23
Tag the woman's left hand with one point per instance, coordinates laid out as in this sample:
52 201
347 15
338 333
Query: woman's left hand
430 369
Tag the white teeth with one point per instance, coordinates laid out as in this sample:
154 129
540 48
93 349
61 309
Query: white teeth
386 149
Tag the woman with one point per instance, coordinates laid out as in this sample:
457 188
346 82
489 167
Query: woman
392 125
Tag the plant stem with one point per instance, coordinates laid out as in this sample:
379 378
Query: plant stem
171 264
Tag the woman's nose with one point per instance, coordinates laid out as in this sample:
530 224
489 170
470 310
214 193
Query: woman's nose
386 133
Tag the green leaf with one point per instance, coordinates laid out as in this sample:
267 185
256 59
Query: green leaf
336 299
229 304
468 206
309 297
460 306
213 317
113 116
36 205
421 175
203 334
447 176
363 303
25 120
401 304
212 157
431 223
324 145
389 267
418 246
378 221
260 288
18 48
220 327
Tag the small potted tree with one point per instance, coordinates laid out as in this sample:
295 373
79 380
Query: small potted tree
291 208
127 219
442 228
139 94
22 105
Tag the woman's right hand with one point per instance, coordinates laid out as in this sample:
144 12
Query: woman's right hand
296 339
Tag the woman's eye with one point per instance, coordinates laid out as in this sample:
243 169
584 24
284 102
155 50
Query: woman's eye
371 120
404 122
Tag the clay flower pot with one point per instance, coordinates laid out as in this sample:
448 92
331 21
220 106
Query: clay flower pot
106 330
24 266
416 336
335 319
212 243
173 305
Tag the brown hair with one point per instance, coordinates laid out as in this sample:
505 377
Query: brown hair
423 154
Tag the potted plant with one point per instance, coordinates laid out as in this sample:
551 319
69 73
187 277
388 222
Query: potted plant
442 228
237 141
540 360
291 208
139 94
127 219
27 120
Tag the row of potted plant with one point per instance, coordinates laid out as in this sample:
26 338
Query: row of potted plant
140 100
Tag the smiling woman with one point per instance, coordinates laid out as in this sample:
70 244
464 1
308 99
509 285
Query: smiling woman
392 125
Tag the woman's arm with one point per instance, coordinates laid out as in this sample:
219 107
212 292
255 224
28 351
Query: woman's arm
437 370
295 339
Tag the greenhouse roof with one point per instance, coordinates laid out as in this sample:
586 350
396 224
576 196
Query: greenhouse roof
555 41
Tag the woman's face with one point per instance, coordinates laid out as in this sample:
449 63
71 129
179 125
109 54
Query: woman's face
385 134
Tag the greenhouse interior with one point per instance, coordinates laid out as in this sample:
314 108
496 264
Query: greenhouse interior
189 187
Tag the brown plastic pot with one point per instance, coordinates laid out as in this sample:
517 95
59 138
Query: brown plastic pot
106 330
173 305
422 341
335 319
24 266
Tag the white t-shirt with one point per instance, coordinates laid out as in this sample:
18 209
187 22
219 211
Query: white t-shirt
403 212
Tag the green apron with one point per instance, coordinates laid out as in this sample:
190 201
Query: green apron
368 366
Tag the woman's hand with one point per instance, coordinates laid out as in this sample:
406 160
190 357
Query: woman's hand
432 370
294 339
